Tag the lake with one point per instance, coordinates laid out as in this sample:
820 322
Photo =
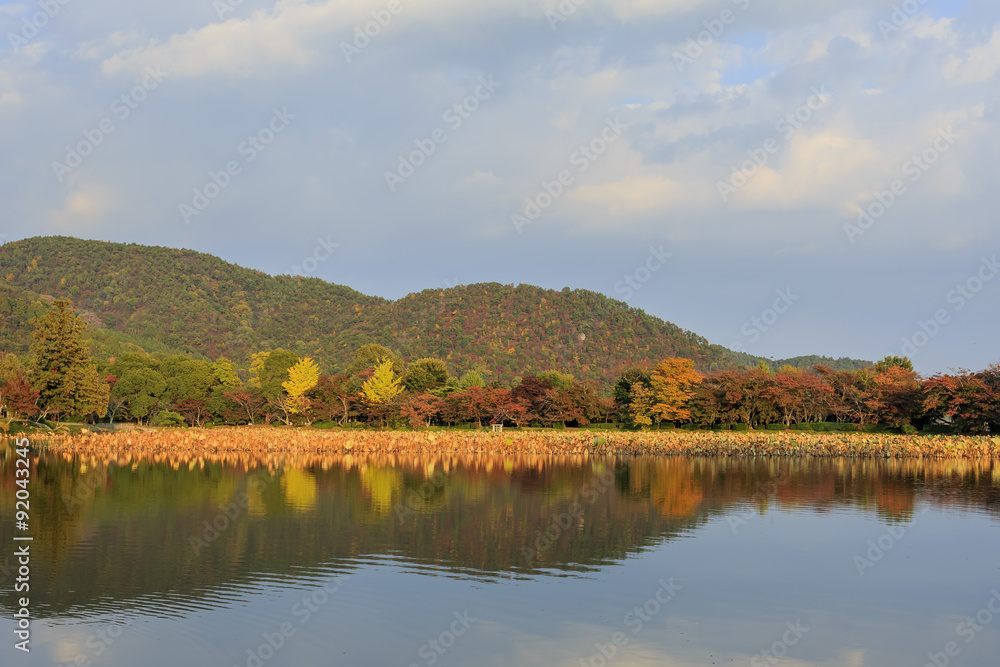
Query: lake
521 560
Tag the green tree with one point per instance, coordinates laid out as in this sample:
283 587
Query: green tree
370 355
894 362
558 380
425 374
141 391
226 373
268 371
66 379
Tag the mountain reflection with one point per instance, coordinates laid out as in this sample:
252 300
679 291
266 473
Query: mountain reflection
115 534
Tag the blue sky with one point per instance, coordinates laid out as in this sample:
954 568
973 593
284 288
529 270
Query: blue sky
263 132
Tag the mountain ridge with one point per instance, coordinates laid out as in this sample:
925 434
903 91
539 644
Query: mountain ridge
191 302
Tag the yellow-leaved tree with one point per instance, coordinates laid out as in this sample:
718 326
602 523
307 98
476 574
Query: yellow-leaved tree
674 382
383 385
302 377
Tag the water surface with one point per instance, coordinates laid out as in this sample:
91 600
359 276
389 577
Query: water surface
471 560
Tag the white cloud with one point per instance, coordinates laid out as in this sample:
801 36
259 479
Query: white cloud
979 64
85 208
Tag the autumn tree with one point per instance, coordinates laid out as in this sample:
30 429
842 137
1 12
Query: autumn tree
622 392
66 379
383 386
302 377
268 372
421 409
332 397
17 398
641 404
674 382
367 357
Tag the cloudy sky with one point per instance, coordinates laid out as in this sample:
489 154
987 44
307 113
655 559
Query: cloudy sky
711 162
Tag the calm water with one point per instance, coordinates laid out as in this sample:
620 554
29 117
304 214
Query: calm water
492 561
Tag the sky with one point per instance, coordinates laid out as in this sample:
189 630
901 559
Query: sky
781 177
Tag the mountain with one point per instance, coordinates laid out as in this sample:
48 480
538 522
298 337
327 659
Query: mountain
180 301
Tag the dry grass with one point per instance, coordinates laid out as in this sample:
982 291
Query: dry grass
252 447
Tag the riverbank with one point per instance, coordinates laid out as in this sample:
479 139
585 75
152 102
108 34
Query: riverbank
240 441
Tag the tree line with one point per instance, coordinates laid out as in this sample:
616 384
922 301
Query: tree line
60 381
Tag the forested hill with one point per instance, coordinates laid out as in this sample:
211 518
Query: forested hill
183 301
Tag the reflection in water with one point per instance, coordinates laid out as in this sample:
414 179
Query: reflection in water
121 540
198 526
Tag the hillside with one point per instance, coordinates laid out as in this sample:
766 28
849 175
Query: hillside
168 300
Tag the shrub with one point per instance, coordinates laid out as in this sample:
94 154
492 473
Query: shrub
777 427
741 427
167 418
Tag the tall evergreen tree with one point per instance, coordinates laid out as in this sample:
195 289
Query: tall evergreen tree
66 379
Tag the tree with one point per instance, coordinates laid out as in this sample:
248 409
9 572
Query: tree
622 393
970 401
141 390
894 362
533 393
268 371
640 407
674 383
369 356
66 380
17 399
226 373
302 377
187 379
244 403
420 409
383 386
425 374
331 397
